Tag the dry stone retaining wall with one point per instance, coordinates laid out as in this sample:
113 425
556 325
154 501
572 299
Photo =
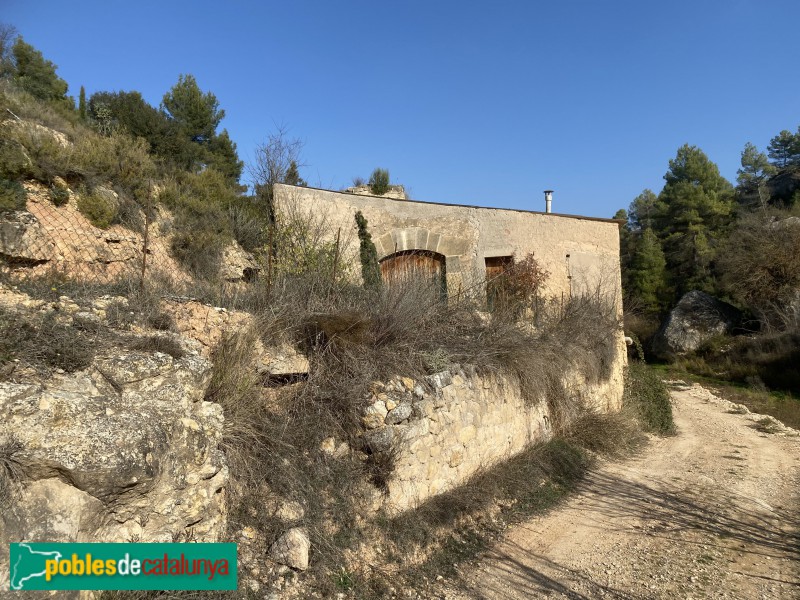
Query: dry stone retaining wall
449 427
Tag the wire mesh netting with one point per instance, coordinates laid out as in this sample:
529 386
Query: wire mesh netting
60 243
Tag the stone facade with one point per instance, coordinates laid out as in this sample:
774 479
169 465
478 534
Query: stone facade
452 425
449 427
580 253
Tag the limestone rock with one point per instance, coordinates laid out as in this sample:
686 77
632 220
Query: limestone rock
379 440
22 241
126 449
281 359
441 380
396 192
696 318
237 264
374 414
292 549
399 414
330 447
290 510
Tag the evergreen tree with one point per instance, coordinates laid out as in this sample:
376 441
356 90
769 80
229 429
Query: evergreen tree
82 103
784 149
643 210
197 114
695 212
221 154
647 278
36 75
370 269
379 182
293 176
755 168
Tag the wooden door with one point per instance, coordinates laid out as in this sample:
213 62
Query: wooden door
496 269
424 265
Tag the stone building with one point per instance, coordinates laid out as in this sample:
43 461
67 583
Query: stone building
466 245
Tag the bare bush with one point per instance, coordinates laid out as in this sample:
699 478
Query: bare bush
761 268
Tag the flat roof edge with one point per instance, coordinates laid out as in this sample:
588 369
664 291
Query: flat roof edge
618 222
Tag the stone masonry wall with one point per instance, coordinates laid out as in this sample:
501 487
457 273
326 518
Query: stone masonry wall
580 253
449 427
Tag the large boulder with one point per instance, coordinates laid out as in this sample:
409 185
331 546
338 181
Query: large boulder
125 450
696 318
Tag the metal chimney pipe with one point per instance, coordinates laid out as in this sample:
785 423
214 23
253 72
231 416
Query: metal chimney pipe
548 201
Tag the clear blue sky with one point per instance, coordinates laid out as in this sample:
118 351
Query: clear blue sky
466 102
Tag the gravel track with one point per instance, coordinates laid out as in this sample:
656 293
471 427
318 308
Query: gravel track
712 512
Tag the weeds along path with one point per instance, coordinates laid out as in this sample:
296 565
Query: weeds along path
713 512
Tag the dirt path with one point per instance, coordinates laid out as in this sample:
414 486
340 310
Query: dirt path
713 512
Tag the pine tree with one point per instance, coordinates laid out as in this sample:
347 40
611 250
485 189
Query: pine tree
648 273
292 176
370 269
221 154
755 168
198 114
695 212
643 210
784 149
36 75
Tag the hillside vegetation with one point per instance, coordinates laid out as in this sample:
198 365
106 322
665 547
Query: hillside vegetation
739 243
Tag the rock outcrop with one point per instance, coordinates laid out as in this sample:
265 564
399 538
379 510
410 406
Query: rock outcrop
125 450
695 319
46 238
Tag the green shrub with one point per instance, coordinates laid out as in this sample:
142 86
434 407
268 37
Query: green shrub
647 395
199 251
59 194
12 196
48 156
98 208
14 162
379 182
249 227
202 226
120 159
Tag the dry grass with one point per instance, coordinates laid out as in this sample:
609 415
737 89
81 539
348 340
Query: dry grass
159 343
44 342
11 471
355 337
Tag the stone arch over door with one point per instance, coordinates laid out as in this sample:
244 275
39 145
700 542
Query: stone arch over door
452 249
420 238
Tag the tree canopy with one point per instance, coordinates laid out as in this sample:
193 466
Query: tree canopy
755 168
35 74
197 114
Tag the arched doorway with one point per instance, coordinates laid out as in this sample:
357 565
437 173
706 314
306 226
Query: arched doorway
401 267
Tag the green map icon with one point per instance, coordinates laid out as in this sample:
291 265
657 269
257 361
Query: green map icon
28 564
